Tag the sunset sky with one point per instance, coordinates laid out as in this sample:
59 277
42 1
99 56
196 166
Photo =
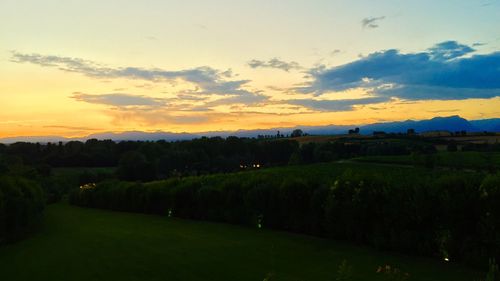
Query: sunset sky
73 68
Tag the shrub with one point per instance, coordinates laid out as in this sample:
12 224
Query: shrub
21 207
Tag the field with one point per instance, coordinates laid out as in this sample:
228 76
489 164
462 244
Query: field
88 244
467 159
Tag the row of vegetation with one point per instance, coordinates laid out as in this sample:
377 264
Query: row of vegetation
148 161
21 207
433 213
21 200
478 160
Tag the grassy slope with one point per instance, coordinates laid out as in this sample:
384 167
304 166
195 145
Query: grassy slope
468 159
89 244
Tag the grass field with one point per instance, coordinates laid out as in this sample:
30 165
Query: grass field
89 244
466 159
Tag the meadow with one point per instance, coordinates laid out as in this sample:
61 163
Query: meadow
457 160
90 244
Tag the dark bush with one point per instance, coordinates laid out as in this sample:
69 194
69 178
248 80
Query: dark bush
21 207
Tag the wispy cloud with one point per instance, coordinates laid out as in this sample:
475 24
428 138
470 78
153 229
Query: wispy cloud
145 110
77 128
274 63
371 22
335 52
119 99
488 3
337 105
207 80
479 44
155 116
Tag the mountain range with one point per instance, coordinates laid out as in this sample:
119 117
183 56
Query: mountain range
451 123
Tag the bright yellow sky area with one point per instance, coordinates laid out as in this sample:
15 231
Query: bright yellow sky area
73 68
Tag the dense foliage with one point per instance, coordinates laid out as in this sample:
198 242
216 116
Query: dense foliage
147 161
21 206
424 212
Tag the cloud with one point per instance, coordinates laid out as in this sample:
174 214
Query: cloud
119 99
155 116
449 50
140 109
274 63
446 71
336 105
126 108
206 79
372 22
488 3
211 87
72 128
244 99
335 52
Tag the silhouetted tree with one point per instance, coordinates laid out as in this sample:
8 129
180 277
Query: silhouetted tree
134 166
296 133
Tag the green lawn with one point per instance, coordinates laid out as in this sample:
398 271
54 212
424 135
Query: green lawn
459 159
90 244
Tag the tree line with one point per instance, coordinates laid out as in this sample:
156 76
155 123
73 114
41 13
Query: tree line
444 214
145 161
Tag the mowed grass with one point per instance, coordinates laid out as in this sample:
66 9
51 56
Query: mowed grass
466 159
90 244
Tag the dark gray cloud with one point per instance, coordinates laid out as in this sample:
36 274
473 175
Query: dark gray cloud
372 22
446 71
449 50
274 63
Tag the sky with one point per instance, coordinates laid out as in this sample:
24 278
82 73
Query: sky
73 68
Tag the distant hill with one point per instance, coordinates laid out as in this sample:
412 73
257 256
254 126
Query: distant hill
41 139
490 125
142 136
451 123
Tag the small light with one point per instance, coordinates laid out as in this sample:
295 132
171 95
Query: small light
446 259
